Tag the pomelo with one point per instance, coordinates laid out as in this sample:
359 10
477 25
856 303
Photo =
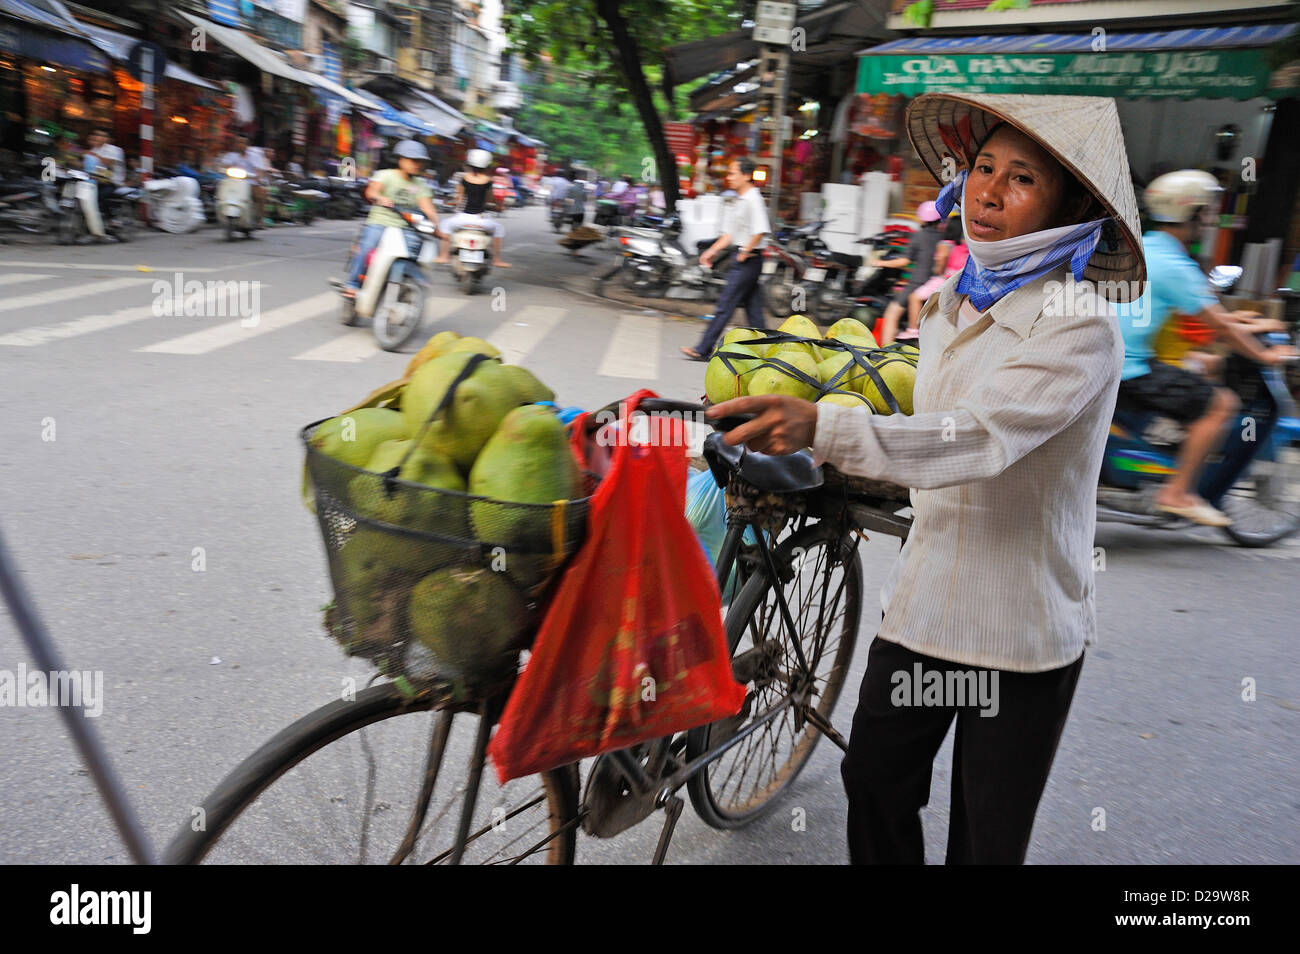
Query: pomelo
469 618
474 346
851 327
482 400
769 379
845 399
899 377
722 383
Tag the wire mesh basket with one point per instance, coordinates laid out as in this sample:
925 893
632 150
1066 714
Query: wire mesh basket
432 585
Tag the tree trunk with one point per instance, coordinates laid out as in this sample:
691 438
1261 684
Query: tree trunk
629 61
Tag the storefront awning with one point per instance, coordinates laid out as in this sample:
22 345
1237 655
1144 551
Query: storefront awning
435 117
244 46
1219 63
367 103
118 46
395 119
46 46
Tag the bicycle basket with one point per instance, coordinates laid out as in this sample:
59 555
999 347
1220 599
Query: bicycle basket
432 585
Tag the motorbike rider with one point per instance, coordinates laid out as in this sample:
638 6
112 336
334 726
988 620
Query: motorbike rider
253 161
1179 205
575 196
920 255
471 199
106 164
388 189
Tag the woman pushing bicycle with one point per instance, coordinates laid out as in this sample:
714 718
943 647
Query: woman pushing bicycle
990 605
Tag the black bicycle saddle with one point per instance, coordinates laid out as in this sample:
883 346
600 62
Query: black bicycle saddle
773 473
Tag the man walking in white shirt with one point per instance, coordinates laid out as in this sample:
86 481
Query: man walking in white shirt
745 226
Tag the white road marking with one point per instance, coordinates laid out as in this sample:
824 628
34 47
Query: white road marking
524 331
20 278
633 351
356 345
110 268
234 332
79 290
43 334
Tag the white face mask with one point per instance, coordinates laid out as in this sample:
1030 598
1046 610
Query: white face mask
992 254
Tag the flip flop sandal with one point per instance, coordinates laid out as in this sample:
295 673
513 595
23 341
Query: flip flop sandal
693 355
1203 514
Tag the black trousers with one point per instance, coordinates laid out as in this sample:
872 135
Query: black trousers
1000 762
742 288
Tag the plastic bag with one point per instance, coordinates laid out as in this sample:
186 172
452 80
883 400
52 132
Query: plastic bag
632 646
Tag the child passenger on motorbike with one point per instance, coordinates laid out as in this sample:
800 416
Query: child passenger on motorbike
1180 204
472 194
402 187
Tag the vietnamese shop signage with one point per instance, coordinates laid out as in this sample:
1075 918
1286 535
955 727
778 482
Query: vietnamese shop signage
1190 74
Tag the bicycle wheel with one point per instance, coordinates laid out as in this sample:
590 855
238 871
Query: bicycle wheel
344 785
824 594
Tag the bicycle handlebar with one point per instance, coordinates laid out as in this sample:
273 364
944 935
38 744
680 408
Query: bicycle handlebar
667 406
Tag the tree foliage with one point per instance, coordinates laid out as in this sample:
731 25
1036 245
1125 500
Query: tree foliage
585 123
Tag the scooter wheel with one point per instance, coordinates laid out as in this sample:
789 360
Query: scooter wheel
399 314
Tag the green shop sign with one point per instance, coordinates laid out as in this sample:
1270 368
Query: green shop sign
1190 74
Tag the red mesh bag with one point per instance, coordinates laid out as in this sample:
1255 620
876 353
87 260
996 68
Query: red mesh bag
632 646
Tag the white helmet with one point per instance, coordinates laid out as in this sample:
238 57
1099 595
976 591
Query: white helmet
1179 196
478 158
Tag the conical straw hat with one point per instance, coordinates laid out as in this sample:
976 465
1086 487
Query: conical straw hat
1083 134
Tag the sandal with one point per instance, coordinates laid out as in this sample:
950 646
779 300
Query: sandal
693 354
1201 513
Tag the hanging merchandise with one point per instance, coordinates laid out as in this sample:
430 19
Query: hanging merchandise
877 117
343 140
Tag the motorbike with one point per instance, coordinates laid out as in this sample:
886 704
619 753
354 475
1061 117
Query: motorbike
346 196
654 263
394 282
235 209
1254 477
80 215
608 212
562 218
28 205
296 202
471 255
174 204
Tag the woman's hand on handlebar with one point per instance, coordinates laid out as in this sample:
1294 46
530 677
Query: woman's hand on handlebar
781 425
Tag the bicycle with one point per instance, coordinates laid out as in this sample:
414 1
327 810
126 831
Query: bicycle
792 620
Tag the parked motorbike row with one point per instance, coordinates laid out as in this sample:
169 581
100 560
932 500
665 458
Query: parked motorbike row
68 206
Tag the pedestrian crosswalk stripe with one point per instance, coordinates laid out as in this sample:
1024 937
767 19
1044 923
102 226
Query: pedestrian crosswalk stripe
233 332
77 290
43 334
633 350
17 279
523 332
356 345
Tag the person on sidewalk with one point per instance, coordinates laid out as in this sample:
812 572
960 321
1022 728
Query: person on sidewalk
745 227
994 586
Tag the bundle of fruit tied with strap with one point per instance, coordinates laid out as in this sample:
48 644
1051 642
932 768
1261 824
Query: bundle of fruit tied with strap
448 501
843 366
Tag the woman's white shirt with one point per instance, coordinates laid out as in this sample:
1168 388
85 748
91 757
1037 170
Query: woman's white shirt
1011 413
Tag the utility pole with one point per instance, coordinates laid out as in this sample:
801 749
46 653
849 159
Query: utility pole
773 26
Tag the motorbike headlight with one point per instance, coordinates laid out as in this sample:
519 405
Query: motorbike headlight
236 173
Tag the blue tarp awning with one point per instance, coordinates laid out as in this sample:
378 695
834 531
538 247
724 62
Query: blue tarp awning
1244 37
46 44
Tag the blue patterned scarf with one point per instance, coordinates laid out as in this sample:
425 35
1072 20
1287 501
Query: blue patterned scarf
985 284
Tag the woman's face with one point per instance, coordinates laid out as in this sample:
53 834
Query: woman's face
1013 188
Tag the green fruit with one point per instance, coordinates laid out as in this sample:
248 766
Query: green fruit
851 327
527 387
722 383
850 380
899 377
740 336
527 461
845 399
482 400
474 346
411 507
800 325
353 437
867 342
470 619
436 346
773 380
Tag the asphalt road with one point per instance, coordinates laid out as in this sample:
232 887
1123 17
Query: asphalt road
176 433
